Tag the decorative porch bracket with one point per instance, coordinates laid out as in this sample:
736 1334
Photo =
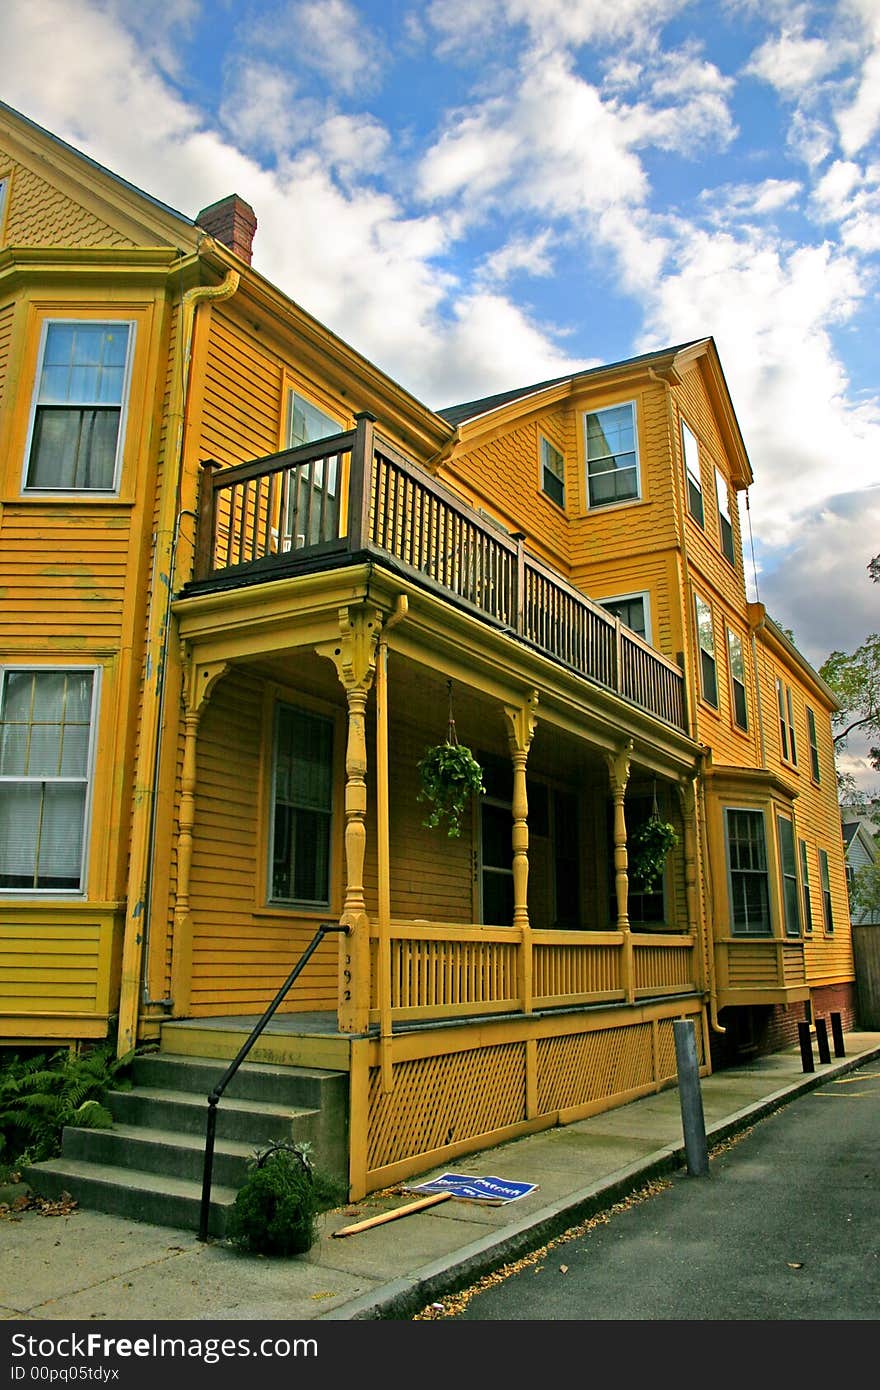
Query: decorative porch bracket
354 656
522 721
618 776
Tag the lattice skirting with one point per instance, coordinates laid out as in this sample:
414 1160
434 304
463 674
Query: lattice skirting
454 1091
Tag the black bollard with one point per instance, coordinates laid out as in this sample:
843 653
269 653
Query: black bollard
806 1043
837 1035
822 1040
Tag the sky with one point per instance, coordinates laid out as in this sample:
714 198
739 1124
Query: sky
480 194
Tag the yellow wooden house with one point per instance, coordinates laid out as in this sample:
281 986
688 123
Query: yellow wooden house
248 581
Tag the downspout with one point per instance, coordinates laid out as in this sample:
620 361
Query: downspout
133 989
383 848
708 897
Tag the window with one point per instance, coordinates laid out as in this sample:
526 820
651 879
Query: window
4 192
496 841
747 867
805 880
691 452
612 455
633 610
814 744
786 722
311 492
825 882
302 807
706 641
788 867
552 472
725 525
46 729
79 404
737 679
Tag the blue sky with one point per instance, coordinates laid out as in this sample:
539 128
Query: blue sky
478 194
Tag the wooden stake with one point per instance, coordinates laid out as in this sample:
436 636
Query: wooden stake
393 1215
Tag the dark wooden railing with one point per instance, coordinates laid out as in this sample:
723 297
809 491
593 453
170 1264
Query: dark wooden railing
354 492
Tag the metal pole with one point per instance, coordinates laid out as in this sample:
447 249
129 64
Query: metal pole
822 1040
690 1097
837 1034
806 1043
207 1171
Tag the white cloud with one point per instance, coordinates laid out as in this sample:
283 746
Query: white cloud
792 63
731 202
551 24
528 255
327 36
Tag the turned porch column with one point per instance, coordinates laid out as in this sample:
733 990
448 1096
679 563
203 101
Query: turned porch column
618 776
521 721
354 656
201 679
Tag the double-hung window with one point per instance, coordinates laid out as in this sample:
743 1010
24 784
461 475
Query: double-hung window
612 455
805 880
4 193
706 642
737 679
310 510
786 722
81 393
552 472
747 869
302 808
814 744
46 742
725 526
788 868
825 884
691 452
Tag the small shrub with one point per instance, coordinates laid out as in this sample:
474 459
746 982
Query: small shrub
276 1209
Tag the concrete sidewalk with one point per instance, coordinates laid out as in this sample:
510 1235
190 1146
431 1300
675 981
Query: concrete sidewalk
83 1266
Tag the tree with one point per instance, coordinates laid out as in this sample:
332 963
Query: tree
874 569
855 679
864 893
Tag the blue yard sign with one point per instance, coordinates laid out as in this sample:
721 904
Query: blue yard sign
495 1190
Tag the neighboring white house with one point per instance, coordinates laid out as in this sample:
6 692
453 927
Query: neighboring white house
861 850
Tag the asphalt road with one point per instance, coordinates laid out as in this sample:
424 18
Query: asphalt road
785 1227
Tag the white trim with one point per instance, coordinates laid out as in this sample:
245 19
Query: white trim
644 595
747 935
97 673
622 501
4 198
131 325
692 472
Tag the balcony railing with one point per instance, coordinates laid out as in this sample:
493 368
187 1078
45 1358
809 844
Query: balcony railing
353 493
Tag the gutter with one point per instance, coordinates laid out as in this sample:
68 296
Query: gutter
133 987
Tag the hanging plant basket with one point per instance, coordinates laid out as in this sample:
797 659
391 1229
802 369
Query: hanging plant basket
450 776
651 846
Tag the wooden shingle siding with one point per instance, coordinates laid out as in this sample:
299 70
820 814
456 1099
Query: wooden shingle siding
41 215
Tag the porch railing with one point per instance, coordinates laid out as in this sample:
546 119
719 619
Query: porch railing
449 971
354 493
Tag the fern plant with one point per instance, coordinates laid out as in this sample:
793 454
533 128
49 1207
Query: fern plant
651 846
41 1093
450 776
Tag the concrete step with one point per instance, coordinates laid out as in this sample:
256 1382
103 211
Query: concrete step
141 1196
139 1149
302 1086
248 1121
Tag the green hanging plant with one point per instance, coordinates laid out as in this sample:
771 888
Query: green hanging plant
450 776
650 847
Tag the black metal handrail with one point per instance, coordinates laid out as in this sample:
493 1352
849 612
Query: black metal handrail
217 1092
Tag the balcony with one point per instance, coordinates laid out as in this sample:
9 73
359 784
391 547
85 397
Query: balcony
353 496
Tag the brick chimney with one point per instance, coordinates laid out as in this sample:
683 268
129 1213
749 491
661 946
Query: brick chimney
232 221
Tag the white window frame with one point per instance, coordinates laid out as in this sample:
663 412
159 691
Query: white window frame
690 449
546 447
764 934
735 681
4 198
813 740
645 596
792 925
701 650
618 501
785 708
725 521
113 490
825 889
96 674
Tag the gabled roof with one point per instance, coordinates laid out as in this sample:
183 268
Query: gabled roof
469 410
